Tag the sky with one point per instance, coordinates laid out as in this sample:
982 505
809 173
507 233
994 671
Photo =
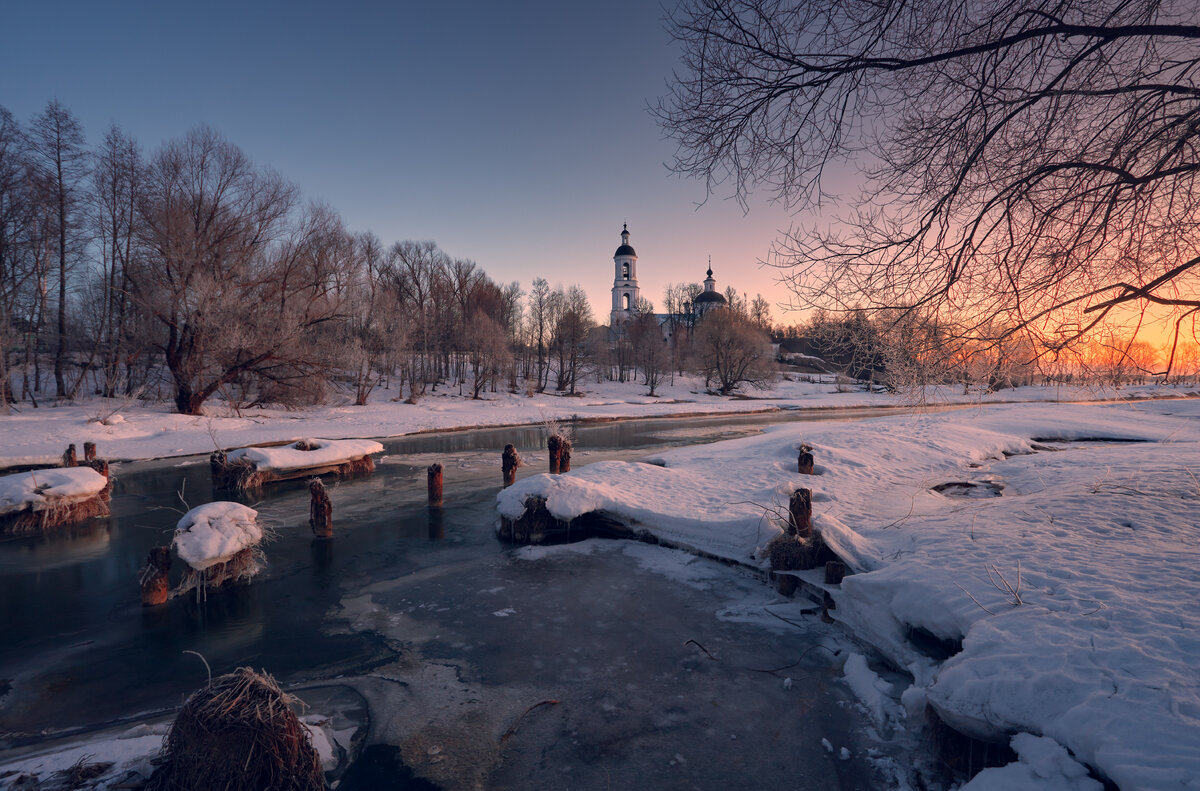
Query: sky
513 134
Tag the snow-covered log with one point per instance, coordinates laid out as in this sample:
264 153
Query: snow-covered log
246 468
43 499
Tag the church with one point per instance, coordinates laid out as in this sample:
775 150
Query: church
625 292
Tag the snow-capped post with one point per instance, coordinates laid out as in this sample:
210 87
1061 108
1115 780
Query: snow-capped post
69 459
835 571
554 446
153 577
800 513
320 510
89 451
804 462
509 463
434 480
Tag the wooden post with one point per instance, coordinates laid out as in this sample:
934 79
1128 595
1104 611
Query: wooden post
69 459
89 451
434 479
804 462
101 466
320 510
785 584
153 578
554 446
509 462
564 455
800 513
835 571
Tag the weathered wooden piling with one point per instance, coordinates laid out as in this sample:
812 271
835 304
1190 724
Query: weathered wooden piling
785 584
434 483
564 455
320 510
804 462
800 513
153 577
89 451
835 571
69 459
554 447
509 462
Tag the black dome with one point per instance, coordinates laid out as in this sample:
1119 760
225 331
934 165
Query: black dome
624 250
709 296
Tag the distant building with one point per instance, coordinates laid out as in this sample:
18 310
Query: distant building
625 291
625 294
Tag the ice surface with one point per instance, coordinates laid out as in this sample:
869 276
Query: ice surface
214 532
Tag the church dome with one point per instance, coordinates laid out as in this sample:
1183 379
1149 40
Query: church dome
714 297
624 250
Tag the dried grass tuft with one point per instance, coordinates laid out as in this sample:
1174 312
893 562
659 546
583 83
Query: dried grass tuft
238 733
240 568
55 515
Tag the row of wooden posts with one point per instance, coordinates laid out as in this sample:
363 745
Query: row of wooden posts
320 508
70 458
800 519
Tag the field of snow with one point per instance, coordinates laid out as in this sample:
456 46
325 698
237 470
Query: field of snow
133 430
1074 595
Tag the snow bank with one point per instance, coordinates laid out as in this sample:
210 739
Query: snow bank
682 505
1043 766
1067 607
41 489
214 532
320 453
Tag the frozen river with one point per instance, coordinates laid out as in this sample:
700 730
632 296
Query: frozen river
662 677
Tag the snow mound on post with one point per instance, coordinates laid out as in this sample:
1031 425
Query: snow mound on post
320 453
214 532
41 489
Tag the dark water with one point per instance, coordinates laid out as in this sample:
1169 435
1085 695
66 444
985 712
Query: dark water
78 649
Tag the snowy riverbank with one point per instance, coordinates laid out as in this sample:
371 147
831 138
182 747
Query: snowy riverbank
132 430
1068 606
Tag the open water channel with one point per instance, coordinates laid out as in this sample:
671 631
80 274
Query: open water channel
447 634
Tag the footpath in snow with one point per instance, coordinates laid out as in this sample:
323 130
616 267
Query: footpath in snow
1074 594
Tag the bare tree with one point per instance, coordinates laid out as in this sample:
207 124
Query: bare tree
1031 165
233 280
649 346
732 352
58 149
117 175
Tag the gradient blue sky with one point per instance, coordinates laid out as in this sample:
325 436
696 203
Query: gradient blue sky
513 134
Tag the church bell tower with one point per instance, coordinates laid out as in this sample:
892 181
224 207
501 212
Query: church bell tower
625 290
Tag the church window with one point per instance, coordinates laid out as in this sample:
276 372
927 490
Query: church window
626 301
625 271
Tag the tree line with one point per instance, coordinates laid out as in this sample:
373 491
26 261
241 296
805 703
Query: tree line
192 273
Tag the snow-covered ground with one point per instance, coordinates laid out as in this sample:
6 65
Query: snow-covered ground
132 430
1074 595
